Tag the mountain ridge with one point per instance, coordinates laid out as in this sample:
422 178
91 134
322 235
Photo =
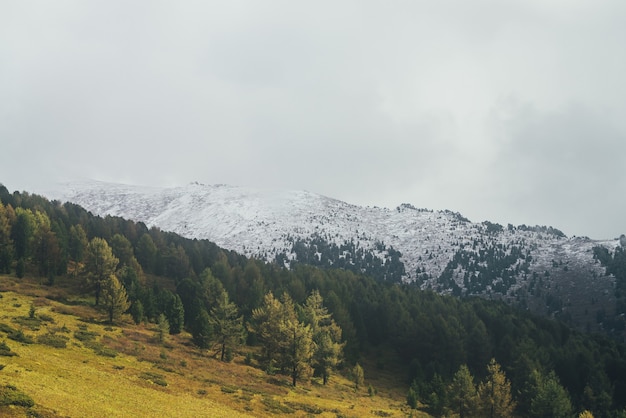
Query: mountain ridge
537 267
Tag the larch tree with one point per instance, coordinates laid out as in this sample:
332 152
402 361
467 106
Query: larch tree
462 393
227 325
266 324
494 394
358 376
114 298
100 264
328 349
298 342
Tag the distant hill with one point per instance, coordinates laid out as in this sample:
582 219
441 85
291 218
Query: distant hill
535 267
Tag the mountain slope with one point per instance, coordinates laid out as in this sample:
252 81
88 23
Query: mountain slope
537 267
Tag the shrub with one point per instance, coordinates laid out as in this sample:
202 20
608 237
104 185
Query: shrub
84 335
20 337
155 378
228 389
53 340
5 350
100 349
6 328
10 395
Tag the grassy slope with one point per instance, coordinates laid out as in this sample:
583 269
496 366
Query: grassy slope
75 381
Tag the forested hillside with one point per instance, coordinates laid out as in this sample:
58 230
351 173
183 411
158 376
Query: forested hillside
311 322
537 268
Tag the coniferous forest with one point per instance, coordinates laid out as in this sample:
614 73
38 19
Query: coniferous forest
469 357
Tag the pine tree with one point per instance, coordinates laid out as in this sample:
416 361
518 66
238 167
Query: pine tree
549 399
163 328
176 315
462 393
326 336
114 298
266 324
299 342
494 393
7 249
227 325
201 330
358 376
77 243
146 252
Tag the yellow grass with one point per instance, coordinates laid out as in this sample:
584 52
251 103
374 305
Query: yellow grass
76 382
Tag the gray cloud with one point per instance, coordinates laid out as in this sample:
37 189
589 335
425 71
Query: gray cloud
371 102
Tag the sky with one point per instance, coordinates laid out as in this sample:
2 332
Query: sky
508 111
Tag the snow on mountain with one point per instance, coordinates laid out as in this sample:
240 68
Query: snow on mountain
438 249
265 222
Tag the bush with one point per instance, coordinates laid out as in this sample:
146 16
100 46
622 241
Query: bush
229 389
10 395
84 335
53 340
6 328
100 349
155 378
20 337
5 350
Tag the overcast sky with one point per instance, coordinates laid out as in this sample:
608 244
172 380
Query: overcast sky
508 111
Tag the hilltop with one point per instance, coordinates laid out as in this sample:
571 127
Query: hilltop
534 267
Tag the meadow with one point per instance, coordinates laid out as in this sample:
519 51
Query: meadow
61 359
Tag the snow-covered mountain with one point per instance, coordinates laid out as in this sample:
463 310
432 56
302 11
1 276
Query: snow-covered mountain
538 266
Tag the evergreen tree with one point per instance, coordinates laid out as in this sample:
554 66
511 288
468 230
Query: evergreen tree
7 249
176 315
147 253
201 330
47 253
227 325
358 376
100 264
122 249
494 394
77 242
549 398
462 393
163 328
114 298
298 339
266 324
326 336
136 311
22 232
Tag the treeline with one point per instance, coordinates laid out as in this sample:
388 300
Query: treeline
189 282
